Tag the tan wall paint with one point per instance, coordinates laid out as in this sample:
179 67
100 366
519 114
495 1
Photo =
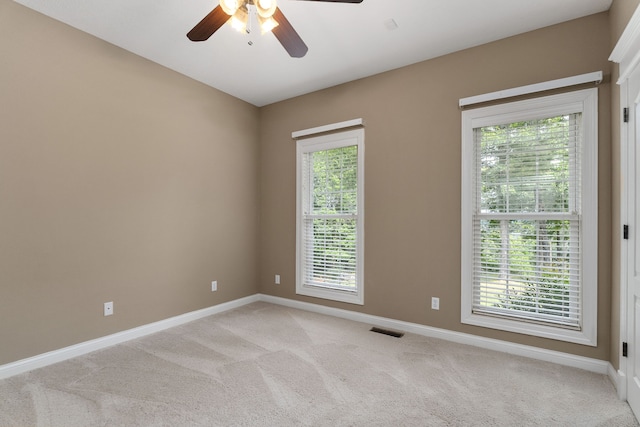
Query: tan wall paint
120 180
619 16
412 172
115 172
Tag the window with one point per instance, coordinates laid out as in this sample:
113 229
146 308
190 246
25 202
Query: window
330 220
529 217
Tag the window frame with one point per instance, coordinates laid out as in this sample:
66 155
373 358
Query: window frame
347 138
586 102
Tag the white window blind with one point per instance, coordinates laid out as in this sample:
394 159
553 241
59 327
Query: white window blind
330 217
529 217
526 226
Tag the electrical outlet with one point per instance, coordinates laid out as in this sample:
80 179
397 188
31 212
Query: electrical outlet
108 308
435 303
214 286
277 279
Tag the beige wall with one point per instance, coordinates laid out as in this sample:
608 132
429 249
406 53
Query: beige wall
119 181
123 181
412 172
619 15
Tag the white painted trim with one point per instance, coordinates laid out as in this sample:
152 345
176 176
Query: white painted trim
627 54
627 49
327 128
595 77
619 380
76 350
565 359
623 160
303 188
586 102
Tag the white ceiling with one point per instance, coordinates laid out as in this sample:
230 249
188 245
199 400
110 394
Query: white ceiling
346 41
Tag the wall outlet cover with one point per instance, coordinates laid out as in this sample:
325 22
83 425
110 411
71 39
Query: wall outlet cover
108 308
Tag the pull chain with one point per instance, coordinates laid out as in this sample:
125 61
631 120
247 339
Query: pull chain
252 11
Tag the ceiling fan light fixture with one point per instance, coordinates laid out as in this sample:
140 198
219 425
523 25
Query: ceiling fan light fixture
267 24
270 19
230 6
240 19
265 8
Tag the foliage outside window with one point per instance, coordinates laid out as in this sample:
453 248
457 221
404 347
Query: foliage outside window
330 194
529 221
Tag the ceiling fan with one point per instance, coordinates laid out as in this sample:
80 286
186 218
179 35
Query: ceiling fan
270 18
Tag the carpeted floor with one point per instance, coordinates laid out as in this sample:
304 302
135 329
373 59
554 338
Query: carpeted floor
267 365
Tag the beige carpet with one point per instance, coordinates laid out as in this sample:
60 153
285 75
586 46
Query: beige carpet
266 365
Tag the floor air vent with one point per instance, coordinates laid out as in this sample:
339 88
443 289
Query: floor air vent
387 332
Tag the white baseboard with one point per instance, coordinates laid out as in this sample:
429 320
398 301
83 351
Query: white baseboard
566 359
619 380
76 350
41 360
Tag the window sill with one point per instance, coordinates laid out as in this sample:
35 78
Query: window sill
331 294
583 337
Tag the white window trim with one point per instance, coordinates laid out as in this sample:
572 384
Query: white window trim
326 142
585 101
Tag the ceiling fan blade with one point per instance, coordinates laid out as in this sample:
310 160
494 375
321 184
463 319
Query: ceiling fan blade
288 37
209 25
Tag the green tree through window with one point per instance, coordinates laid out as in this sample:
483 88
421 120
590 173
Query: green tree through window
334 183
528 167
